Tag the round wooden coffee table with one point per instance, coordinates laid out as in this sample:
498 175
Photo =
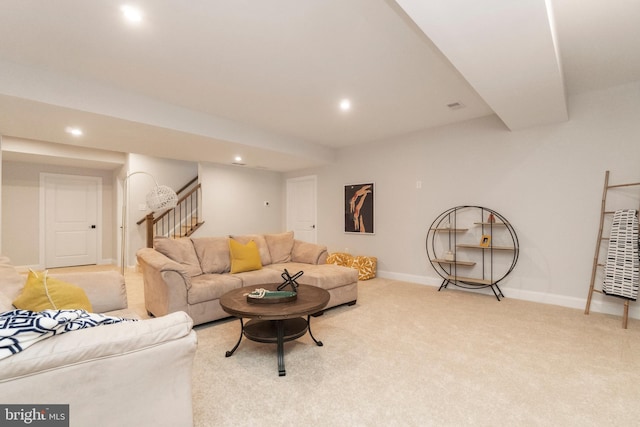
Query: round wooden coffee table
278 322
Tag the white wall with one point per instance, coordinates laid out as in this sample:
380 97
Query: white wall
232 197
21 210
172 173
233 200
547 181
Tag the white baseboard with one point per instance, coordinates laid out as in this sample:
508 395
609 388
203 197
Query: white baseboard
612 306
40 267
26 268
422 280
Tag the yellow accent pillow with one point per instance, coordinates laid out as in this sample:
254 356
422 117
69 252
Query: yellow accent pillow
244 257
47 293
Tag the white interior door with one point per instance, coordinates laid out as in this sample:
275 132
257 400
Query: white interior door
301 208
71 219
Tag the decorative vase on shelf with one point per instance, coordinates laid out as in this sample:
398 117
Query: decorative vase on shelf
449 256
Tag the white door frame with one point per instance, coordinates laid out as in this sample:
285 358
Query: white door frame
42 212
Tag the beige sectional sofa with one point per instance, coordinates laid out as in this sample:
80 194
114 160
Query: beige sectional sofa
110 375
191 274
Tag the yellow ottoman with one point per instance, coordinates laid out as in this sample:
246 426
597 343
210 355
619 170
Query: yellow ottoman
340 258
366 265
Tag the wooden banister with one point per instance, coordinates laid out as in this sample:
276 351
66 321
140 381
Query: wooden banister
180 221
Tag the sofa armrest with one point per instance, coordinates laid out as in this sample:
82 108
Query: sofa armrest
166 282
98 342
131 373
105 289
308 253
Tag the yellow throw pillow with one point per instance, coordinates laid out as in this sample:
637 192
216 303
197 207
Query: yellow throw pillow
47 293
244 257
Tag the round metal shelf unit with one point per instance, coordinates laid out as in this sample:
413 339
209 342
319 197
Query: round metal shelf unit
450 232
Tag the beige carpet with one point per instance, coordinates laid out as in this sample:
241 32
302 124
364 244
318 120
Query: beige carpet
408 355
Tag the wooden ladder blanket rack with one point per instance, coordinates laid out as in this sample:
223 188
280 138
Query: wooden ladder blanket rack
596 263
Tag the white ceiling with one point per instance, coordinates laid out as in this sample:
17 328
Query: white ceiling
206 80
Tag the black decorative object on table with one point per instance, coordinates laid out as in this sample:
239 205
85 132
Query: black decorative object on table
290 280
264 296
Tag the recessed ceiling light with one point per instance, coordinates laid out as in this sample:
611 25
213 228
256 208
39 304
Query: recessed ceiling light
345 105
237 161
74 131
131 14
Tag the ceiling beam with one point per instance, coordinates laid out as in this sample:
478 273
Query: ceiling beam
58 95
506 50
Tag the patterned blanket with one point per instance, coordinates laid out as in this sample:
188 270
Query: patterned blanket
20 329
622 268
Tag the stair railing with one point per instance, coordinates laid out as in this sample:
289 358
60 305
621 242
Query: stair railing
180 221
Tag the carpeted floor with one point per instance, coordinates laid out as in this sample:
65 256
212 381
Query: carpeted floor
407 355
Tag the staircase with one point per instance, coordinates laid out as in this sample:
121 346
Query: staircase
181 221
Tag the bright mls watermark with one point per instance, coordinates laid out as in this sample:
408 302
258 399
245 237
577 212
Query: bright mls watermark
34 415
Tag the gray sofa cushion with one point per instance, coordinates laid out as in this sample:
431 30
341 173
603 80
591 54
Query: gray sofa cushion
280 246
181 251
208 287
12 284
106 289
213 253
308 253
325 276
260 277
